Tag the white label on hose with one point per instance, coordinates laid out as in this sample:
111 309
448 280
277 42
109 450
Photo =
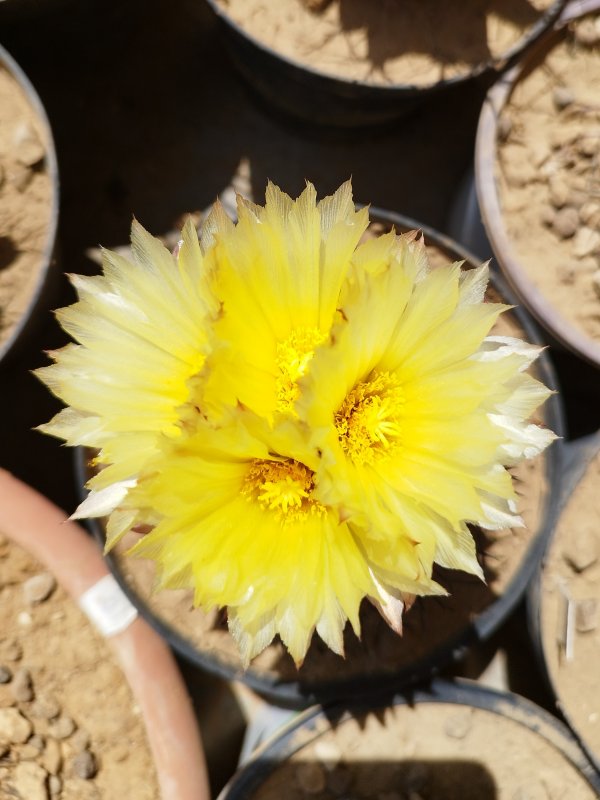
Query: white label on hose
107 606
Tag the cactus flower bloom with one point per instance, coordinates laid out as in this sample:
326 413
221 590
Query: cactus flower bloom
303 419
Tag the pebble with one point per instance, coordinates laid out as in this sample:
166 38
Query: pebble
566 223
39 588
328 753
84 765
54 785
589 213
586 241
587 32
44 707
78 789
587 615
5 674
21 177
14 727
79 741
21 686
457 726
26 142
547 216
52 757
37 742
559 191
588 145
29 779
24 619
563 97
11 650
582 550
62 728
311 777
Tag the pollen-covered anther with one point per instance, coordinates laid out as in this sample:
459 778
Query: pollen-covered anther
293 357
368 421
284 487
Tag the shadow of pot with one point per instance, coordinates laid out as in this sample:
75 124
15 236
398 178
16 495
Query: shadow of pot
65 549
36 278
453 740
299 89
563 602
540 293
436 630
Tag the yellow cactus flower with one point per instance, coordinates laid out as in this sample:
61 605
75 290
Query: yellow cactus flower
303 420
143 334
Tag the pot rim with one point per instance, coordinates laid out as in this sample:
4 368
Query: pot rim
295 693
578 456
47 262
520 710
503 61
563 331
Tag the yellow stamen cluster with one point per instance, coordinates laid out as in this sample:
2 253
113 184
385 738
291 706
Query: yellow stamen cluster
293 358
368 421
284 487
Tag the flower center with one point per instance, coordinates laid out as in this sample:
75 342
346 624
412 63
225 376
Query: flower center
284 487
368 421
293 357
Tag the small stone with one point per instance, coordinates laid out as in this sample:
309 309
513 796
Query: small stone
547 216
14 727
5 674
51 759
44 707
39 588
586 32
328 753
339 779
587 145
559 191
37 742
10 650
21 686
566 222
311 777
84 765
566 272
21 177
24 619
586 242
589 213
54 785
79 741
63 728
458 725
563 97
27 752
582 550
587 615
26 143
29 779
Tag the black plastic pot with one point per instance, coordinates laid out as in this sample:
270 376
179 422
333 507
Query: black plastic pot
473 778
44 290
299 90
298 692
558 329
578 456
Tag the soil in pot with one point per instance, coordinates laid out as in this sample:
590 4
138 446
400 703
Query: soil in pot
388 42
548 174
69 727
25 202
571 577
427 751
430 625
